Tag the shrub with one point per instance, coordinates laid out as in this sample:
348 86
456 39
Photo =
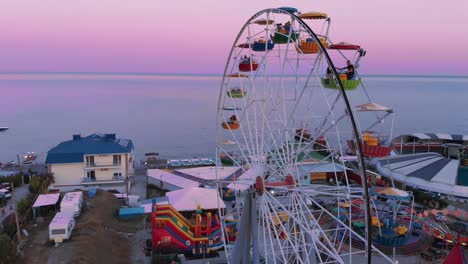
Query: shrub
16 179
5 248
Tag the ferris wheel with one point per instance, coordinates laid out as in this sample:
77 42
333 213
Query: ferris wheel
284 119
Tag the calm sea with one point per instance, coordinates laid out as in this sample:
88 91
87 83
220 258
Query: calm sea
175 115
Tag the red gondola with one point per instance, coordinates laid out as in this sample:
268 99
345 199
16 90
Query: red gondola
344 46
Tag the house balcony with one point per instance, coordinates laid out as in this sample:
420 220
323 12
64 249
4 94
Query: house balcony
93 166
93 181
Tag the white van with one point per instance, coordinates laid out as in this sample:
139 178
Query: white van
72 202
61 227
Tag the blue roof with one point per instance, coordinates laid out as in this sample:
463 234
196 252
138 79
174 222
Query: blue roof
73 151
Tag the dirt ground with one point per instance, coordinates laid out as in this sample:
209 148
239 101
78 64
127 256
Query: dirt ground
98 237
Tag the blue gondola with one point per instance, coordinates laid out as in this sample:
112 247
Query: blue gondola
289 9
262 46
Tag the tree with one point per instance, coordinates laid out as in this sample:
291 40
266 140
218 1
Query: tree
23 206
35 185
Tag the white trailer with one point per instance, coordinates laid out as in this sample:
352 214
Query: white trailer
72 202
61 227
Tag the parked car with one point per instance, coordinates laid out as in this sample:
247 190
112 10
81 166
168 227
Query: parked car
186 162
174 163
5 185
6 193
197 162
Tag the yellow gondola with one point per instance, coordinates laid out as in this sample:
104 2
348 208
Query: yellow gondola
308 46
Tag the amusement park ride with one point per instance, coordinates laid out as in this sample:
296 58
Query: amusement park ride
283 107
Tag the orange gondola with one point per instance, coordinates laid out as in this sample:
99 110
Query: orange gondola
232 124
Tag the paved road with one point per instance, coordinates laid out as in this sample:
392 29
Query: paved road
139 183
20 193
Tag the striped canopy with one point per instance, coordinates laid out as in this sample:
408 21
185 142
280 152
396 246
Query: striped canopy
426 171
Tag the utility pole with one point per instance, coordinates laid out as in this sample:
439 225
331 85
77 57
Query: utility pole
18 231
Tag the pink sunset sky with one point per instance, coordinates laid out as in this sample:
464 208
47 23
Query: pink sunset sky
156 36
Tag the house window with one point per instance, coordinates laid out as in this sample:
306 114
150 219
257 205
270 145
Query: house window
117 159
117 175
90 161
91 174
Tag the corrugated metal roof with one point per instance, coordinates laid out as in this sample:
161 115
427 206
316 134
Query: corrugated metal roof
72 151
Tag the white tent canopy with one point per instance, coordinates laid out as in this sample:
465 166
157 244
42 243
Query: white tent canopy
46 199
190 198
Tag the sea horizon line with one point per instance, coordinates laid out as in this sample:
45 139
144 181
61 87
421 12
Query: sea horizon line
101 73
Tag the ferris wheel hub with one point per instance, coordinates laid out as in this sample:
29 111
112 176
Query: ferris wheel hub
259 186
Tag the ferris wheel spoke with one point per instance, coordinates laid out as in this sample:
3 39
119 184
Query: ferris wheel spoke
306 228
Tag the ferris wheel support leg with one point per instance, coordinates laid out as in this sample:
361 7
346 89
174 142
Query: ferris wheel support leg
248 235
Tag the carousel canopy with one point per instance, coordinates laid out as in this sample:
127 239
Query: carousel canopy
264 21
344 46
313 15
373 107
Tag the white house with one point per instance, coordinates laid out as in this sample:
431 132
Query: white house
98 160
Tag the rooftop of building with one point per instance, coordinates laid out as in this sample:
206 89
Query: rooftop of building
73 151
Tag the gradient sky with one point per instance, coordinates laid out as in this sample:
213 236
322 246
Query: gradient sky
401 36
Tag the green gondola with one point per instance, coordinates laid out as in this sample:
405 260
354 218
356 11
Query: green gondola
347 84
237 93
282 38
